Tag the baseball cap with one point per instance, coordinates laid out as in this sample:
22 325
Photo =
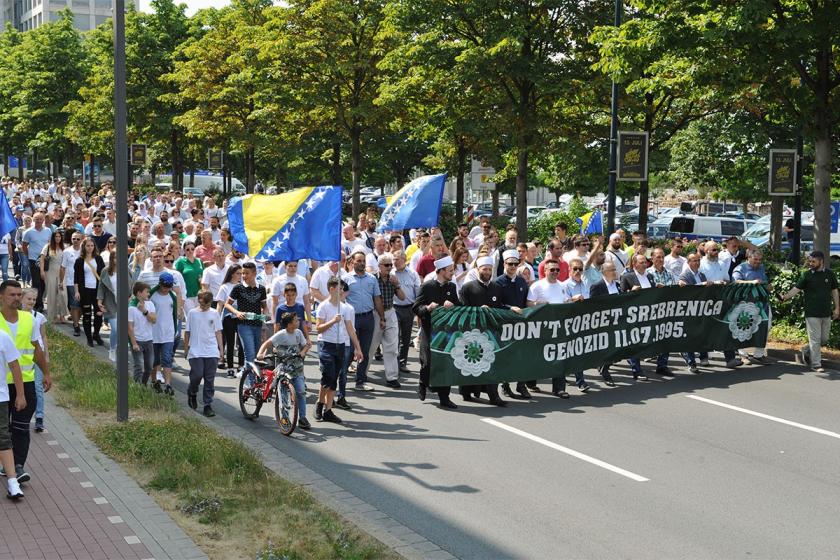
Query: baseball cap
166 279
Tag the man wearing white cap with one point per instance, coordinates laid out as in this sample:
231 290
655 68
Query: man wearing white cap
433 294
478 293
615 253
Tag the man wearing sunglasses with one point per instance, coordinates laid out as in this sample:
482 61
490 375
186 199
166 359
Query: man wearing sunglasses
550 290
514 293
387 334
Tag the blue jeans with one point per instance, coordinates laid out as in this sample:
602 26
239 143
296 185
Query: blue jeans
299 383
661 363
690 359
24 268
113 337
251 337
4 265
39 392
364 330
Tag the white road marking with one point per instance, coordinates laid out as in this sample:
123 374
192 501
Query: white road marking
567 451
767 417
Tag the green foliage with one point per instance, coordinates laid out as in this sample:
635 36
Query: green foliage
87 383
542 227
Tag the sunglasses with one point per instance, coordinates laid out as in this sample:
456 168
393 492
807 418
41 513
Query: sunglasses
389 265
168 261
554 270
577 268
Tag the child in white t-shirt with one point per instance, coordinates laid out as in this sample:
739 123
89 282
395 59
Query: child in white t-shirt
285 341
10 355
141 317
203 345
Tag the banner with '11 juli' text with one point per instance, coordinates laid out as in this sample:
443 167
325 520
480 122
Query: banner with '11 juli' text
474 345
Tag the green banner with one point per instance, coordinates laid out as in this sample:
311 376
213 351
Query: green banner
475 345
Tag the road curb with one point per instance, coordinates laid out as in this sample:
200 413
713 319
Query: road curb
791 355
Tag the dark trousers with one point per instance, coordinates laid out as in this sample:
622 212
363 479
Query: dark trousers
229 324
364 330
661 363
37 282
405 322
91 316
426 366
19 421
559 383
492 390
203 369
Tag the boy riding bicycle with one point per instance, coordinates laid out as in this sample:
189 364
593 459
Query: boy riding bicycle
289 343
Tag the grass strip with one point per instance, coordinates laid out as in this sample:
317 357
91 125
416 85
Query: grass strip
214 487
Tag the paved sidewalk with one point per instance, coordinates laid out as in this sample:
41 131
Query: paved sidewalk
81 505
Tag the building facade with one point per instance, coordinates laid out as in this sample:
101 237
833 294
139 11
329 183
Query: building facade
30 14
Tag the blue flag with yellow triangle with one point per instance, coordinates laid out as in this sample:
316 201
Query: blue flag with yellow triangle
591 222
415 205
301 224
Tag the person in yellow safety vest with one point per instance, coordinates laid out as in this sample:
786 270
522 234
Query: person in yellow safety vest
20 327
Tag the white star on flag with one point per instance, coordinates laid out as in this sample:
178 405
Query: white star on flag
286 235
270 252
276 243
301 214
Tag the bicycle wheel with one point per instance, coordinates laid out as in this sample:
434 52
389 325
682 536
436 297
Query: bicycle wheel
285 407
250 398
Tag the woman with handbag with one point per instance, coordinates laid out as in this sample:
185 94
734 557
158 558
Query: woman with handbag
50 264
86 276
106 300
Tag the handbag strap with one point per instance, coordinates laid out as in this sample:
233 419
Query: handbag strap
92 269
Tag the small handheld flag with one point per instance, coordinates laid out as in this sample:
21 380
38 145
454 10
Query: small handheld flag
415 205
300 224
591 222
7 218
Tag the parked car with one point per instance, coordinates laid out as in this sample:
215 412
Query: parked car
531 212
741 215
204 183
707 227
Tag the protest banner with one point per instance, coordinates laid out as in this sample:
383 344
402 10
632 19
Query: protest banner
473 345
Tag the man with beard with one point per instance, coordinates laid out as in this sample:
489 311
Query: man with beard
478 293
438 292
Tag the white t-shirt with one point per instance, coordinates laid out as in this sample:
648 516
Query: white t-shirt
202 326
570 255
90 278
142 325
4 244
643 280
618 257
8 353
336 333
543 290
299 282
38 321
213 276
164 328
68 261
675 265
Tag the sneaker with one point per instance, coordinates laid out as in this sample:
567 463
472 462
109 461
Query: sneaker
319 411
758 360
208 411
192 401
329 416
342 404
22 475
304 423
14 492
159 377
169 391
734 362
39 425
231 374
693 368
704 362
363 387
585 387
394 384
77 331
156 386
818 369
112 355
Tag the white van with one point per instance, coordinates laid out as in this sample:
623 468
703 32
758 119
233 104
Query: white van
203 183
718 228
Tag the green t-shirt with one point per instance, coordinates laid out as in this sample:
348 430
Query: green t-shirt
817 287
191 271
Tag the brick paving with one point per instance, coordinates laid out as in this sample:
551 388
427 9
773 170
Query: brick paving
61 515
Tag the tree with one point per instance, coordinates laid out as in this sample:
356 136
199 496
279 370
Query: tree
10 140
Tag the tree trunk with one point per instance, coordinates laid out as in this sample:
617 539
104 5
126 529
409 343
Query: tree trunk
279 177
459 182
173 148
822 182
92 172
777 207
153 173
522 193
252 172
335 167
356 167
192 173
494 202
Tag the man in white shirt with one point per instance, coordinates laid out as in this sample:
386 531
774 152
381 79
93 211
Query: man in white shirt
615 252
716 270
576 290
65 276
318 283
549 289
214 275
580 251
380 247
675 262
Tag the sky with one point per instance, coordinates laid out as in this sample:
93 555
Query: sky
192 5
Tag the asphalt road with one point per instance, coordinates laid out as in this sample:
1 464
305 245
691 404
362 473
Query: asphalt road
658 469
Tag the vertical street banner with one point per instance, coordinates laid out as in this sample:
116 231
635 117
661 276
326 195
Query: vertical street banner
474 345
782 181
138 155
632 156
215 160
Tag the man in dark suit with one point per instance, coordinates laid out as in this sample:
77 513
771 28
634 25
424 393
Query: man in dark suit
693 277
637 278
437 292
608 286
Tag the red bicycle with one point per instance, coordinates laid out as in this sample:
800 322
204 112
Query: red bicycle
262 382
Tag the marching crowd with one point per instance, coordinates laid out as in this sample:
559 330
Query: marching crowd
191 288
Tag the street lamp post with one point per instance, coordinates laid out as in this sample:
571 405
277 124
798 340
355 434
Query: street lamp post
121 184
613 139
